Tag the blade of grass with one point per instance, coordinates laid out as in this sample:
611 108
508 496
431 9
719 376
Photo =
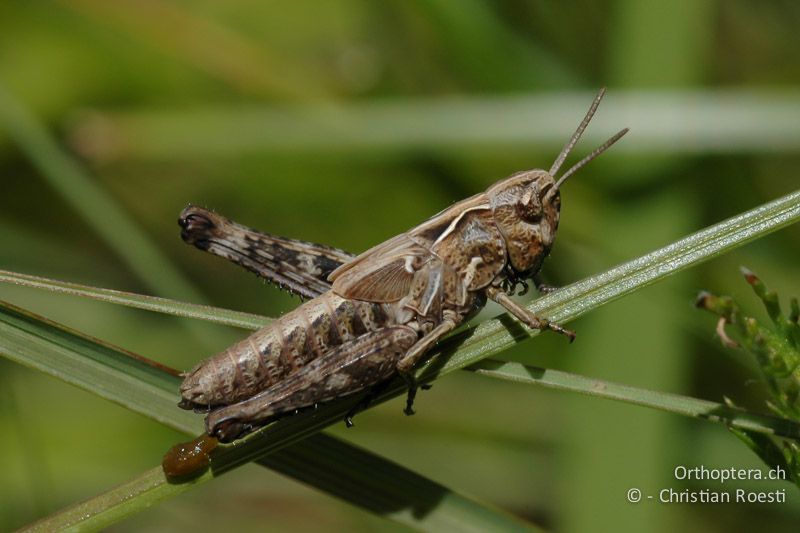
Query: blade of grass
112 373
149 303
469 346
673 403
324 462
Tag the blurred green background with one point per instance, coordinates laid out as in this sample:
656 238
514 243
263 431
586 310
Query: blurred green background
346 122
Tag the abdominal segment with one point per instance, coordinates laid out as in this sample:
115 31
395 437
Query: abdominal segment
347 369
278 350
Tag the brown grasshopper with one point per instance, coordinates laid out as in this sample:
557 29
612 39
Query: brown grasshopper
374 316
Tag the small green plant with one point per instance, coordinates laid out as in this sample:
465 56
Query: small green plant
776 349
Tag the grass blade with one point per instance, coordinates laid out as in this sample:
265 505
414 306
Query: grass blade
673 403
329 464
149 303
326 463
111 373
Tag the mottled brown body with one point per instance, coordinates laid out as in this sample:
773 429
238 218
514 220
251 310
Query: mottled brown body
281 348
346 344
376 315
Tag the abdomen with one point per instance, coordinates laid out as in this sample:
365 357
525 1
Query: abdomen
279 349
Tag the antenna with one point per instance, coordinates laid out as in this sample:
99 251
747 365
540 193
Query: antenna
597 151
577 135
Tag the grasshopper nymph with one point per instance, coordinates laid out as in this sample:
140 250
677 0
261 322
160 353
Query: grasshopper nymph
374 316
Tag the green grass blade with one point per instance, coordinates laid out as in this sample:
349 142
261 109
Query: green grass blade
673 403
93 365
149 303
388 489
329 464
326 463
106 509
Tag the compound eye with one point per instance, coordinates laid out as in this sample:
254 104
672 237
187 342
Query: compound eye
529 207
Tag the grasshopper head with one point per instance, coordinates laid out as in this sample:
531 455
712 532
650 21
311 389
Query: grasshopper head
526 206
526 209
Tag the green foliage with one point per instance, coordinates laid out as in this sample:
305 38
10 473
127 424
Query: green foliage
777 351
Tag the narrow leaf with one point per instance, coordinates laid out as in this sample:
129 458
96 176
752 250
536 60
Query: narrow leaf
326 463
673 403
90 364
149 303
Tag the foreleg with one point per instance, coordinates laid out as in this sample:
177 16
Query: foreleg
525 316
541 286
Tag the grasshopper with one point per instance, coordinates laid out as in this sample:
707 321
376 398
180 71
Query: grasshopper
372 317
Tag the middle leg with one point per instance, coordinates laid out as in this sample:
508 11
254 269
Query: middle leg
406 365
